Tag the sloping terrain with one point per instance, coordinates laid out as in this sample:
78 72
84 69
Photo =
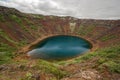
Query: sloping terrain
19 29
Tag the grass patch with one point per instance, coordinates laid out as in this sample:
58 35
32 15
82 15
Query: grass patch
84 30
6 53
51 68
109 57
22 43
41 67
3 34
108 37
2 19
16 18
112 66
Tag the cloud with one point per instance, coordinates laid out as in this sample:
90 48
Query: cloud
95 9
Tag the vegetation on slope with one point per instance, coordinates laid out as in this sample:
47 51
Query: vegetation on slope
105 60
6 53
102 60
31 70
108 57
18 29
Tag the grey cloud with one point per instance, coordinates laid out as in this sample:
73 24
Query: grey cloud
95 9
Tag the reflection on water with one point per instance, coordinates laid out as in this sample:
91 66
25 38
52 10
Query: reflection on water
60 47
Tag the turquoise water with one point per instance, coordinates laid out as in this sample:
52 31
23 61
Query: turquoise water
60 47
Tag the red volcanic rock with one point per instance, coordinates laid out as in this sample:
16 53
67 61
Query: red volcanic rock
27 28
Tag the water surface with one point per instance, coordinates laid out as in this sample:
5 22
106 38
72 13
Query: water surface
60 47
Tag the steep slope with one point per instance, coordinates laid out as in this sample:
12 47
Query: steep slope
20 30
17 26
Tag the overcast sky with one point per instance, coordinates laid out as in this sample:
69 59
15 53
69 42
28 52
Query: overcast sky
94 9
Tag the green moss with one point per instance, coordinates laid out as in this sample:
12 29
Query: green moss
80 30
28 76
6 51
109 56
22 43
6 54
112 66
28 21
101 60
48 67
33 27
108 37
16 18
2 19
3 34
84 30
40 17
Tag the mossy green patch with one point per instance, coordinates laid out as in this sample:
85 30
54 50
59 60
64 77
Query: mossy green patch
3 34
112 66
2 19
84 30
108 37
6 53
16 18
109 56
50 68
